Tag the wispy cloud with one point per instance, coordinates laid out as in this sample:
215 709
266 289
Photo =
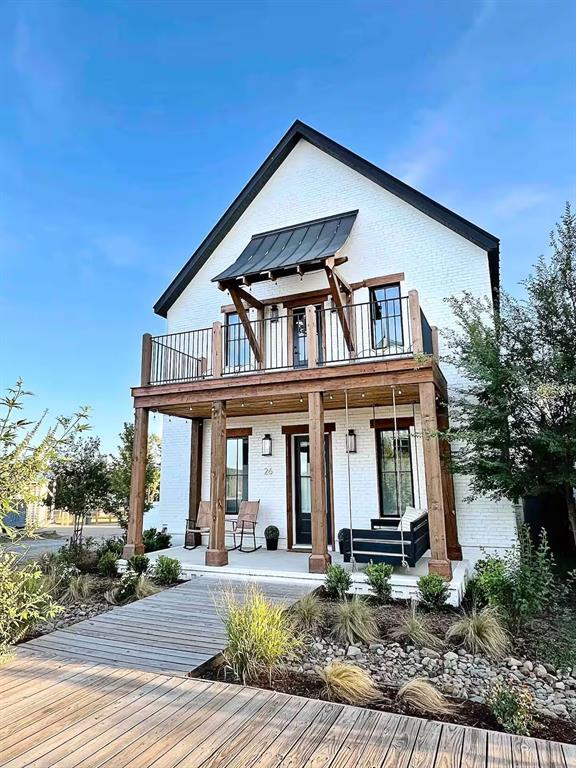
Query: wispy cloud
517 200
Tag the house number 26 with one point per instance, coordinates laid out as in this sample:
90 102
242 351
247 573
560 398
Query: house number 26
268 471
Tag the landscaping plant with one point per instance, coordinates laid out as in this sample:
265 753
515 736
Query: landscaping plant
308 613
337 582
154 540
432 592
349 684
167 570
512 706
139 563
353 621
80 587
481 631
107 565
379 575
132 587
413 628
260 634
424 697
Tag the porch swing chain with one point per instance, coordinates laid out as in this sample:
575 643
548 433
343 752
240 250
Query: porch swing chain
396 470
352 558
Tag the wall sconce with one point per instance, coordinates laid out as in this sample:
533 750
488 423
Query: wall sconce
274 313
267 445
351 441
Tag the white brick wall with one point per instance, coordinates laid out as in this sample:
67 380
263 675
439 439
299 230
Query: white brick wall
389 236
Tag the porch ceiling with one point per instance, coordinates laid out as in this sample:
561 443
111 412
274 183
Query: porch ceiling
298 403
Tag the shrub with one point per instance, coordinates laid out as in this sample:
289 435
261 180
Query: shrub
308 613
163 540
481 632
379 579
424 697
132 587
512 707
80 587
414 629
139 563
82 555
260 634
114 544
491 583
531 572
337 582
24 600
354 620
271 532
347 683
107 565
154 540
144 587
167 570
432 592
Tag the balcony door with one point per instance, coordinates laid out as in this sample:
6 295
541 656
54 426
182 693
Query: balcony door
300 340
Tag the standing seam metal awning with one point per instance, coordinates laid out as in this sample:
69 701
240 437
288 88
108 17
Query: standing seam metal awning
284 249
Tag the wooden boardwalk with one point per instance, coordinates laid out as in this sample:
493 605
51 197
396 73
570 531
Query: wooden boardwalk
172 632
67 714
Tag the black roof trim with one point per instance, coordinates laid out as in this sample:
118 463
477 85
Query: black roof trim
300 130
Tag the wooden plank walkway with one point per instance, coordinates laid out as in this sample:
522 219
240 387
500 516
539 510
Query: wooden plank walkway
67 714
172 632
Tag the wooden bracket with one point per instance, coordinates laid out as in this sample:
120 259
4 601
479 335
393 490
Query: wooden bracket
342 310
244 319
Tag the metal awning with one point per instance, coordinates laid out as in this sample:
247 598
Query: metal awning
301 248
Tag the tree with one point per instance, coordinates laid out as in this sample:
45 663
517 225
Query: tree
121 473
25 453
515 412
82 480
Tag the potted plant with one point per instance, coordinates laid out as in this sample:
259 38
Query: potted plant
271 534
343 534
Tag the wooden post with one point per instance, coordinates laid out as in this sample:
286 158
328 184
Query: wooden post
435 343
134 545
450 522
217 349
319 559
312 336
216 553
146 369
433 471
195 485
415 322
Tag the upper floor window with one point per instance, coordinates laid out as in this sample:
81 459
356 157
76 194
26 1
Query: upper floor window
237 349
386 317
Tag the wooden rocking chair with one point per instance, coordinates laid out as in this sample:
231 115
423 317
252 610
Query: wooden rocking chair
195 529
245 522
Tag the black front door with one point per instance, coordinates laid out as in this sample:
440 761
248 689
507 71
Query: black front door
302 487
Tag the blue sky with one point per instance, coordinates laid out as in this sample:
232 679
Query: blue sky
127 128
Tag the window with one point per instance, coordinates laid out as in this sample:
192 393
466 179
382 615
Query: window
386 315
394 471
236 343
236 473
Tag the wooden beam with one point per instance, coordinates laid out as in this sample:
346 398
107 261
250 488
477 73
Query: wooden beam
312 336
245 320
319 559
435 343
247 297
216 554
217 349
433 472
195 482
341 309
330 264
415 322
450 521
134 545
375 282
146 369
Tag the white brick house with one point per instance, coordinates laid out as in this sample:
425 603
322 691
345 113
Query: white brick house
368 261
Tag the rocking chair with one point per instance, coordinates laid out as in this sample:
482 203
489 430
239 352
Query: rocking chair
195 528
245 522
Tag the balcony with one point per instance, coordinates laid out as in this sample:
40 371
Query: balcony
311 338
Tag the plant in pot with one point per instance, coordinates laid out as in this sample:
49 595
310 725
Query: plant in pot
343 535
271 534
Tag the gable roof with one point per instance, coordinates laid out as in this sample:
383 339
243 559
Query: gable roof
300 130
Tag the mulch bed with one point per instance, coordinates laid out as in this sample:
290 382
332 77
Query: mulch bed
469 713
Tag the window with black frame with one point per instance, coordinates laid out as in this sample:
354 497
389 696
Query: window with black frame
236 343
386 317
236 473
395 477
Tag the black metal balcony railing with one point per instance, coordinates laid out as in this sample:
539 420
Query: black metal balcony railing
301 339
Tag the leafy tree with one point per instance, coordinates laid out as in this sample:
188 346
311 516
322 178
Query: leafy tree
515 412
82 480
25 453
121 472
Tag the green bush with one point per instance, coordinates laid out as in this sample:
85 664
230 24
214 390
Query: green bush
432 592
115 544
154 540
491 582
132 586
260 633
354 621
139 563
24 599
271 532
167 570
82 555
107 565
337 582
308 613
512 707
379 579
